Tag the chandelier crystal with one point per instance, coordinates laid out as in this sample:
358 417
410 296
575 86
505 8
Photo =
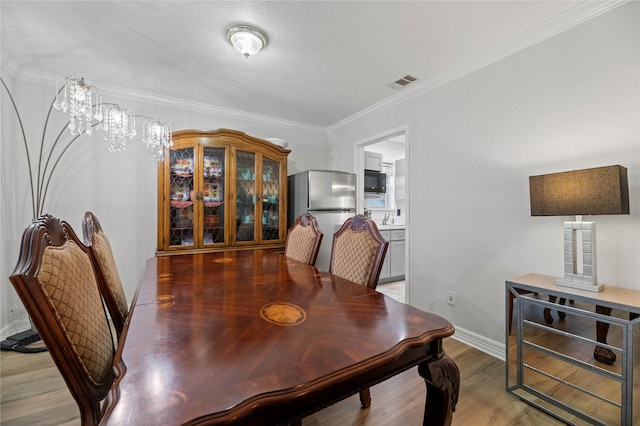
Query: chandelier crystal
118 125
157 136
78 98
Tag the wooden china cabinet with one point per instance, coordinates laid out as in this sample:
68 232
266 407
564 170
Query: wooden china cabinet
221 190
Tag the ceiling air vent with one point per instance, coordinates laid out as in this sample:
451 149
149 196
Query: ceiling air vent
403 82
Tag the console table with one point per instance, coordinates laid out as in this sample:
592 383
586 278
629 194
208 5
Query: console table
552 367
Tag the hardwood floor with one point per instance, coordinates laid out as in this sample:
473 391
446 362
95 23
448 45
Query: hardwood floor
32 392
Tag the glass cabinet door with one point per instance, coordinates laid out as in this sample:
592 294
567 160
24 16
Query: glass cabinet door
211 196
245 196
221 190
181 198
270 200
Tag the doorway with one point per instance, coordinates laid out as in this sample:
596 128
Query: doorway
390 210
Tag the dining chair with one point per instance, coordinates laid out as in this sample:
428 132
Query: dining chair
303 240
106 271
55 280
358 251
357 255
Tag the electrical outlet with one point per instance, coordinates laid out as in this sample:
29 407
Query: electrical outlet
451 298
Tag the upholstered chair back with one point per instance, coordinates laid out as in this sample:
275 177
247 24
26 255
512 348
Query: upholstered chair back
107 271
303 240
56 282
358 251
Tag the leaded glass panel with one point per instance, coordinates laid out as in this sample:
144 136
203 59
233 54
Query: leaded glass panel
181 198
213 188
270 200
245 195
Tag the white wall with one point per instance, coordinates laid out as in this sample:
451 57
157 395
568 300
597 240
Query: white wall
12 316
570 102
119 187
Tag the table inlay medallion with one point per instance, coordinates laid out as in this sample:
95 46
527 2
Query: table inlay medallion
283 313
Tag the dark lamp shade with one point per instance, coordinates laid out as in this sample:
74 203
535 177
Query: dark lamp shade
602 190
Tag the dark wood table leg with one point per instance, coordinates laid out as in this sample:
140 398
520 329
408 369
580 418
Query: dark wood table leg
562 314
365 398
600 353
442 377
547 312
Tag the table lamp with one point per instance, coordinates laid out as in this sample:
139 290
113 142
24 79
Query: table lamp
601 190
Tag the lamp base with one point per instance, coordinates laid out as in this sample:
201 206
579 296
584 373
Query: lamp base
582 286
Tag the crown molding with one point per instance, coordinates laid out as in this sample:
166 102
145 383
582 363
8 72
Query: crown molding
553 26
167 101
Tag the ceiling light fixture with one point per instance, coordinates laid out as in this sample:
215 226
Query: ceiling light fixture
246 39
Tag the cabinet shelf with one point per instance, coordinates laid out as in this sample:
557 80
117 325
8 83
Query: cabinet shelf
181 204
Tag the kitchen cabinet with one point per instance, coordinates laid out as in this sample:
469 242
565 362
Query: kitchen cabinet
396 251
221 190
373 161
394 261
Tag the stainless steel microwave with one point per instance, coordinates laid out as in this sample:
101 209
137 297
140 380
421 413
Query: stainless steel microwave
375 182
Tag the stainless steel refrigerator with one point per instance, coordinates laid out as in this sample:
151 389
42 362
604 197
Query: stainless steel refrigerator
330 196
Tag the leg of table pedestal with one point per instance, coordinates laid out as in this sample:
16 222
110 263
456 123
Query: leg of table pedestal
600 353
442 377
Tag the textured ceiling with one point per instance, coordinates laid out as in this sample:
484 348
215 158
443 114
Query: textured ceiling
326 60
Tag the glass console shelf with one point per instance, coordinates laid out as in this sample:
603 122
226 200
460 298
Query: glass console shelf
551 355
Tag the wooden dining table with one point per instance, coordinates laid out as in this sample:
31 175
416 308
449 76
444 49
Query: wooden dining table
252 337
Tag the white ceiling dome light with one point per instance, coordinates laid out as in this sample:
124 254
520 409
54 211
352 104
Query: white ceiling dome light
246 39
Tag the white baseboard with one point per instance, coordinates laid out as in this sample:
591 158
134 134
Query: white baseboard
488 346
